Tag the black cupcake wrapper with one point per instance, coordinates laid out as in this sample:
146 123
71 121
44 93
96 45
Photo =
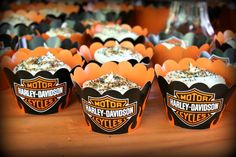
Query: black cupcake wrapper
62 79
220 91
145 61
51 42
90 40
9 42
134 96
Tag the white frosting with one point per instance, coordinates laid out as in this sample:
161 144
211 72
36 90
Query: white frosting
66 32
116 32
110 82
116 53
47 62
195 75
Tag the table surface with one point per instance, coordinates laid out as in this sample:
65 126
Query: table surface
66 133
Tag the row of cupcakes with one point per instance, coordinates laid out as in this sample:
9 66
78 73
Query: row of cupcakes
72 34
113 95
166 49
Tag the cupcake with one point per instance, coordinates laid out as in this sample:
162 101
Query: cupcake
67 35
113 96
113 51
103 33
195 92
40 78
19 23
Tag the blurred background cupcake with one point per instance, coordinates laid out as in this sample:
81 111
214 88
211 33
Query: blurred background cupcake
223 47
102 33
113 96
58 33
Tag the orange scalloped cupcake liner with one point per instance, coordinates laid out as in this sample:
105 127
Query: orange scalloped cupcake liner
226 71
134 99
176 53
23 53
222 37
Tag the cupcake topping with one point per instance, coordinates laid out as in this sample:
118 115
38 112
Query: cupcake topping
110 81
116 53
47 62
116 32
194 75
15 19
63 31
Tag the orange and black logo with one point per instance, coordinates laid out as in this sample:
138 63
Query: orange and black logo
40 94
194 107
109 113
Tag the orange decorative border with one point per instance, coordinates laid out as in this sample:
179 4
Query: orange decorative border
138 73
22 54
228 72
176 53
223 37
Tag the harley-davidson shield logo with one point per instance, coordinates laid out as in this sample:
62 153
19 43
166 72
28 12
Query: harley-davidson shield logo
194 107
39 93
109 113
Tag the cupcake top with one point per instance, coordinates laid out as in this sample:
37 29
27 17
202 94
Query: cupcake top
15 19
116 53
62 31
46 62
172 42
110 81
116 32
194 75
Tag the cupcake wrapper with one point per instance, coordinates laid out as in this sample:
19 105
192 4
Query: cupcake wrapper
123 117
197 107
140 39
19 29
145 61
42 93
52 42
8 41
